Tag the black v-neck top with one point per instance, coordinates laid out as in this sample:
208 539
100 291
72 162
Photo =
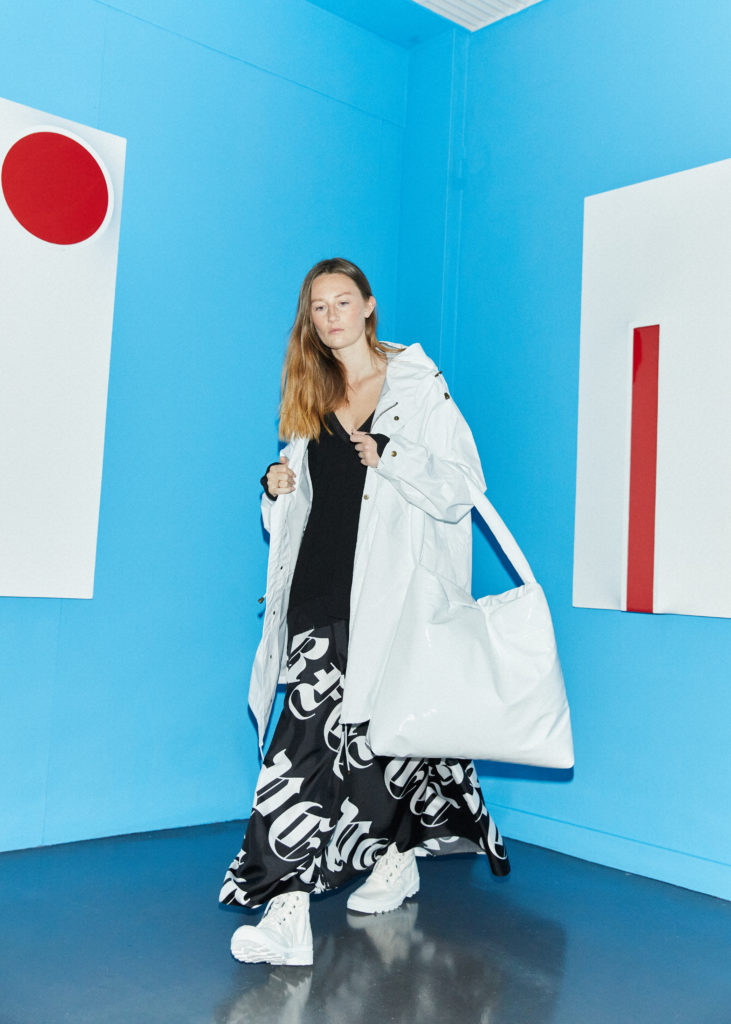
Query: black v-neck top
323 575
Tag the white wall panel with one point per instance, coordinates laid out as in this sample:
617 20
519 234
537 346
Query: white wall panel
658 253
56 308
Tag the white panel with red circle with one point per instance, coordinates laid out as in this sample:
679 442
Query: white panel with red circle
60 203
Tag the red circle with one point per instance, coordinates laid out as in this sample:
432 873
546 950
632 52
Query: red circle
54 187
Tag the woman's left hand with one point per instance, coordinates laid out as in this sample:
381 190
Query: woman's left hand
366 448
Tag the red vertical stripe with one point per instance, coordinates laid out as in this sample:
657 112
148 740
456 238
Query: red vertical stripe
643 470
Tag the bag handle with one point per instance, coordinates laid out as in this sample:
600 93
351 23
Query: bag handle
503 536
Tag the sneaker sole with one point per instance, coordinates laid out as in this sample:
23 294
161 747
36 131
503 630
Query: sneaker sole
365 906
300 956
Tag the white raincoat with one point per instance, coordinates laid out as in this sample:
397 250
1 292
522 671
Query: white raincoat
414 509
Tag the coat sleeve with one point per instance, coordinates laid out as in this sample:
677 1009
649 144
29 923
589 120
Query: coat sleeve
439 472
267 503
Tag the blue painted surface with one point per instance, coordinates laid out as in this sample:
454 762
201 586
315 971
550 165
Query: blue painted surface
128 711
52 56
291 39
431 197
563 101
403 21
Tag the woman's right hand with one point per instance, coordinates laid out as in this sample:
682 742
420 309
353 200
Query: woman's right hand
280 478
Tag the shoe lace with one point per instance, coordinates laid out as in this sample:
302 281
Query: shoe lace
390 864
280 908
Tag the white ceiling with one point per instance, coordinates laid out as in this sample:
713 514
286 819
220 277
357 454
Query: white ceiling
474 14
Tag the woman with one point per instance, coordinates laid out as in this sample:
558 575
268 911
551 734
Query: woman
376 477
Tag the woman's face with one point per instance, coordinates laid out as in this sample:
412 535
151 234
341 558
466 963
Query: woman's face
339 312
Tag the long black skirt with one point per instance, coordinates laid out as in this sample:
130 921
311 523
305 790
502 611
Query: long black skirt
326 808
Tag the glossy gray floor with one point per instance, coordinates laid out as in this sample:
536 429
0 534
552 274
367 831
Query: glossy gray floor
127 931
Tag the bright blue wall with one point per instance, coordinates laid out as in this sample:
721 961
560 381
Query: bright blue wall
261 137
402 21
565 100
431 196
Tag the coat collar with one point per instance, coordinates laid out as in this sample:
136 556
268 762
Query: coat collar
407 369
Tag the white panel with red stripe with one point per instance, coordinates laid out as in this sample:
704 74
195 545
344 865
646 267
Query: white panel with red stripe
657 255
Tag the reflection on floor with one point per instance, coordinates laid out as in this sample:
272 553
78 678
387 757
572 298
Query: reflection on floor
127 931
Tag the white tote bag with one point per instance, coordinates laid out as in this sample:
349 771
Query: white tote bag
470 678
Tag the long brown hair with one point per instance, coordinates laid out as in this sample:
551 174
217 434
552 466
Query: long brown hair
313 380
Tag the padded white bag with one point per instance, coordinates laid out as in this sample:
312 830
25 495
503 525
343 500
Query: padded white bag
470 678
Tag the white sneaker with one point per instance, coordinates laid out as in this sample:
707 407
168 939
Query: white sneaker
283 936
394 877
